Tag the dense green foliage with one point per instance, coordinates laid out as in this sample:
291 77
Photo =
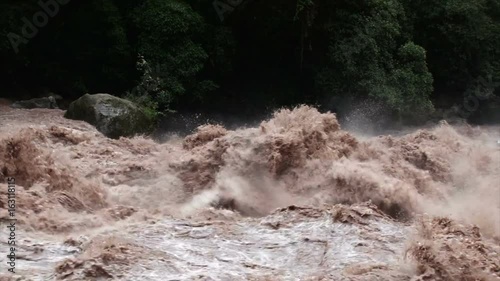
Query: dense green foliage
177 54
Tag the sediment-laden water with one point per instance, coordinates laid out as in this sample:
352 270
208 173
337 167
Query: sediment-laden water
296 198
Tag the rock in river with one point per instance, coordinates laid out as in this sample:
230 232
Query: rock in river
47 102
112 116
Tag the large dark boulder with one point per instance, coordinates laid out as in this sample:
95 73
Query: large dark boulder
46 102
112 116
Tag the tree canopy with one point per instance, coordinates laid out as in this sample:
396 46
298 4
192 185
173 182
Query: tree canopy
408 55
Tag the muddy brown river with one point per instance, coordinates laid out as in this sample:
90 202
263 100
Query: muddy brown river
296 198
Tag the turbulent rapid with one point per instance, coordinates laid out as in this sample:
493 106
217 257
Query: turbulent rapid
296 198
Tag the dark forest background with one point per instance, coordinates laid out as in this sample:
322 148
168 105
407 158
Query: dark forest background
411 56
